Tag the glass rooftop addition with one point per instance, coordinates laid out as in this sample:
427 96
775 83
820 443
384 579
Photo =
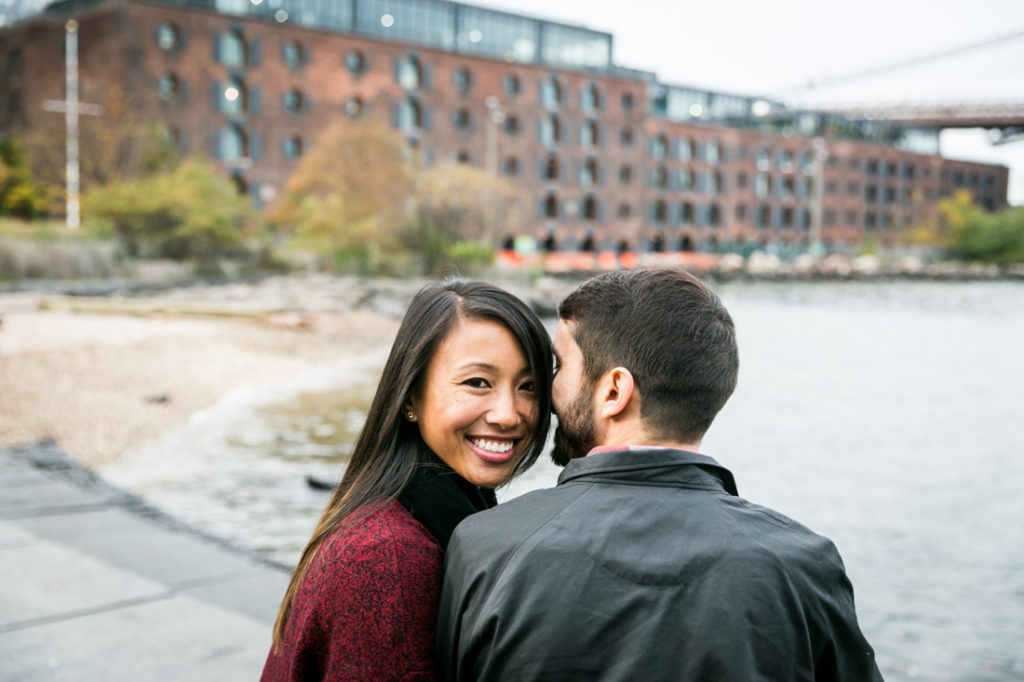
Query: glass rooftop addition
445 25
693 105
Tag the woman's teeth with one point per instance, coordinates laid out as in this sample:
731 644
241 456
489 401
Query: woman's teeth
492 445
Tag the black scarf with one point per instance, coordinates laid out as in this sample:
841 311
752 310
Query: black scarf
439 498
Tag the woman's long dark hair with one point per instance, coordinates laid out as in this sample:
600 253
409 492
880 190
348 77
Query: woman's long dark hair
385 454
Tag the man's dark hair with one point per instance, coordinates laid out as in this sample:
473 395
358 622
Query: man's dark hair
671 332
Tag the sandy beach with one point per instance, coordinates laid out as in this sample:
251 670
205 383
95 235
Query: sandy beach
105 376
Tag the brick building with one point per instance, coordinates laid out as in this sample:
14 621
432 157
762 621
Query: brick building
608 158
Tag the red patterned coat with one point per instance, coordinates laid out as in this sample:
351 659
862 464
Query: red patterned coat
367 607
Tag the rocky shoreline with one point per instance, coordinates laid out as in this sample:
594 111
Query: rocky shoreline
104 368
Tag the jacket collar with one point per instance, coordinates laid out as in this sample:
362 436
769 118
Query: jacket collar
439 498
651 465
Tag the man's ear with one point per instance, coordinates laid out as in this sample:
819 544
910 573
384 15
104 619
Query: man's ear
614 392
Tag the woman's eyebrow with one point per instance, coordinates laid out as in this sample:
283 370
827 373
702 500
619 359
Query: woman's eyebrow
478 365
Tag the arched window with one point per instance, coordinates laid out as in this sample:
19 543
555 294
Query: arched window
660 211
590 97
658 147
293 101
235 97
410 115
589 133
232 49
551 92
233 144
550 131
686 213
511 84
588 172
410 73
292 147
589 209
463 119
685 149
355 62
551 206
293 54
660 177
168 37
551 168
463 79
354 106
168 87
712 152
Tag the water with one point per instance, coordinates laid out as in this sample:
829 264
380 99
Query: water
884 415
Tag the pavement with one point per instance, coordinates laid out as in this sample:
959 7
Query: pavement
95 585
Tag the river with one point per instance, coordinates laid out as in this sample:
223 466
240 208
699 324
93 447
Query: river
885 415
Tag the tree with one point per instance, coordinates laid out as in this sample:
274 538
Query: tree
969 232
460 211
19 194
190 212
349 195
121 143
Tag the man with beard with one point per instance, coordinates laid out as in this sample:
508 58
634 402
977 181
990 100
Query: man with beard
643 562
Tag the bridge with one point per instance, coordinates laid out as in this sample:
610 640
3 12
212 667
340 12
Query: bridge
1005 117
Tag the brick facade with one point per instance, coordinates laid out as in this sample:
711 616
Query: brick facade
596 170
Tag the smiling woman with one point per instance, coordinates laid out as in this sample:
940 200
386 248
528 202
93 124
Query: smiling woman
478 407
462 406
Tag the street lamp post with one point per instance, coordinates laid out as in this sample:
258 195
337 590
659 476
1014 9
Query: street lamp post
495 117
819 154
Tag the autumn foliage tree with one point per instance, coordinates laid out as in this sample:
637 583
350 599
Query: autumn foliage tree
121 143
460 212
349 195
969 232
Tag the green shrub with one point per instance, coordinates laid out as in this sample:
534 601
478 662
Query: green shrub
190 212
19 196
469 257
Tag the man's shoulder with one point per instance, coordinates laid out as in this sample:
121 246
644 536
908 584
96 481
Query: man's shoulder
514 521
762 536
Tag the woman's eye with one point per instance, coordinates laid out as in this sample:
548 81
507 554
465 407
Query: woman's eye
476 382
529 386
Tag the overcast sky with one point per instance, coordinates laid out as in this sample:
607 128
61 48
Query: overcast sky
774 48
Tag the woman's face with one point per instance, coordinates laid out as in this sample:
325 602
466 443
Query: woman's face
478 405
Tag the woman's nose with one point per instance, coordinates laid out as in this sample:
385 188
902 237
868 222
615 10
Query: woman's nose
504 411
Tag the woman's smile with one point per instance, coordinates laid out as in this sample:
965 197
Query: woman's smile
477 409
494 450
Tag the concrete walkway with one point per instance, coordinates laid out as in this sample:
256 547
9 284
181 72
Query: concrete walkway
96 586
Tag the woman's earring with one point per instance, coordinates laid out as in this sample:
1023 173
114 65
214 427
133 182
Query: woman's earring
411 415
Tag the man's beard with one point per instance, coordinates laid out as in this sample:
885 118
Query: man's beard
576 434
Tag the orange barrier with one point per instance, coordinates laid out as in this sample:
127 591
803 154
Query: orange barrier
585 261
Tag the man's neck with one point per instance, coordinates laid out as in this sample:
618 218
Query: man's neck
635 435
